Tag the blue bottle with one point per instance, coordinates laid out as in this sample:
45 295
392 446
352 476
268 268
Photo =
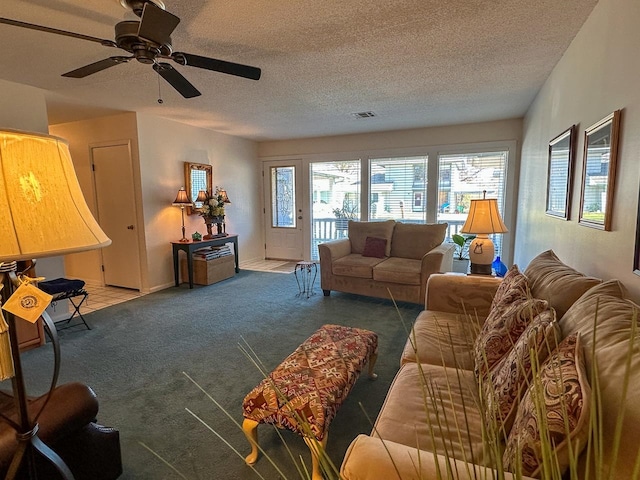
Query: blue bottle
498 267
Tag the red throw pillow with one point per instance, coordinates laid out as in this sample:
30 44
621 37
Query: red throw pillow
374 247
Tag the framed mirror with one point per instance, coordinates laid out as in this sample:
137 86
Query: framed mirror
197 176
560 174
599 172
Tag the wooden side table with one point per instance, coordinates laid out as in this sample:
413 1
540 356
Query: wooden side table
191 246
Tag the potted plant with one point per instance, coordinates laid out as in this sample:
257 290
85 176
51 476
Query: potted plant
460 259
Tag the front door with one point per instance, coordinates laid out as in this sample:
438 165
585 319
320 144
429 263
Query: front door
113 174
283 210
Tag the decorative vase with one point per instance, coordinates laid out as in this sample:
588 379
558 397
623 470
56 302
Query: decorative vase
209 221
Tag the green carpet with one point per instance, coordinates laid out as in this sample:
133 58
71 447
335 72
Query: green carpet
135 355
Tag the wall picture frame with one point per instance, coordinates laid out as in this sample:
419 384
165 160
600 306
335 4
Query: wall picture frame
560 173
599 172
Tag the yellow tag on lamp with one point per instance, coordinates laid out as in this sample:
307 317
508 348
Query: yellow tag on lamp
28 302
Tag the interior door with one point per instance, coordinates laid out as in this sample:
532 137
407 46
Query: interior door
283 210
113 176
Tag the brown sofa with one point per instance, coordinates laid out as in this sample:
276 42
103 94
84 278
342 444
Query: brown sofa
402 258
436 393
67 425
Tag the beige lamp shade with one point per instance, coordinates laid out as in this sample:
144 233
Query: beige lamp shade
202 196
484 218
42 210
181 198
223 195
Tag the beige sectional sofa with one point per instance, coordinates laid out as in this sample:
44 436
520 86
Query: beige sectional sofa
434 422
382 257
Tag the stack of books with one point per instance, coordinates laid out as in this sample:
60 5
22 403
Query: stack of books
210 253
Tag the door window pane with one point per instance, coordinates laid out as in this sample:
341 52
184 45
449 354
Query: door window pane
398 189
283 194
335 193
463 178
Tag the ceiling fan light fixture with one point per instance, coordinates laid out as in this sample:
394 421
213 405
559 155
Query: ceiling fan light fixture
138 5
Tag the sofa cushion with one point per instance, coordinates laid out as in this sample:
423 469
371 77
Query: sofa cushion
514 286
510 377
501 330
398 270
442 338
559 284
359 231
414 240
596 306
355 265
375 247
563 397
604 309
426 399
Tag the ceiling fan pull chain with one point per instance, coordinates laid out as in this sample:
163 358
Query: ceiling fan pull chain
160 101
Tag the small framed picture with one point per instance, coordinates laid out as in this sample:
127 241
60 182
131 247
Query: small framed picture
560 173
599 172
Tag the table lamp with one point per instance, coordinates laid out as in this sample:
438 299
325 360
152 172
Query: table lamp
182 201
483 219
44 214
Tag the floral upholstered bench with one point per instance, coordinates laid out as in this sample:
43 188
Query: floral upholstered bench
306 390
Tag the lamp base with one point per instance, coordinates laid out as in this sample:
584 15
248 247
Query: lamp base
480 269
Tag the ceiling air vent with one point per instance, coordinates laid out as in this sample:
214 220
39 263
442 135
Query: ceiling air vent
364 115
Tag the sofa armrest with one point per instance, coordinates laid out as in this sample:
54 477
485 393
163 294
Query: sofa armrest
438 260
460 293
371 458
329 252
334 249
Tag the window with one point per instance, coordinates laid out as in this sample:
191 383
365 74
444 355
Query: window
335 188
397 189
283 194
465 177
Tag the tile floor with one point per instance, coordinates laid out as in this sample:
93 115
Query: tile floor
101 296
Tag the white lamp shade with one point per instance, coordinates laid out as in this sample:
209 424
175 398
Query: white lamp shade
484 218
43 211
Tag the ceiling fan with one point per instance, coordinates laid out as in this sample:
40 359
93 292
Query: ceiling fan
149 42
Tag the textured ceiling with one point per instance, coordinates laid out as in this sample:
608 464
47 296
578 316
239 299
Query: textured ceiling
415 63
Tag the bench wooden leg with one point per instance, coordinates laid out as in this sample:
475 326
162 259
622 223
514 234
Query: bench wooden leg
314 447
250 429
372 364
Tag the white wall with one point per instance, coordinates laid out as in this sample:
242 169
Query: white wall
164 147
597 75
418 137
80 135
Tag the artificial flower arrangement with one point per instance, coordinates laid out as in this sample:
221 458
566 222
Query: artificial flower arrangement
213 205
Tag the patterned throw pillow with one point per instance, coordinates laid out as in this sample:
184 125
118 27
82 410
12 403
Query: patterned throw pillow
501 331
374 247
514 285
511 376
562 392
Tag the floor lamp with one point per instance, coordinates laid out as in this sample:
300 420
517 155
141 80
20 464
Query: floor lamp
44 214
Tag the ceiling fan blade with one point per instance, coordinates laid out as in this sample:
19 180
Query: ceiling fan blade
223 66
176 80
33 26
96 67
156 24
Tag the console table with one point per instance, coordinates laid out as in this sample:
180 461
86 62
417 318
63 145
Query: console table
191 246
